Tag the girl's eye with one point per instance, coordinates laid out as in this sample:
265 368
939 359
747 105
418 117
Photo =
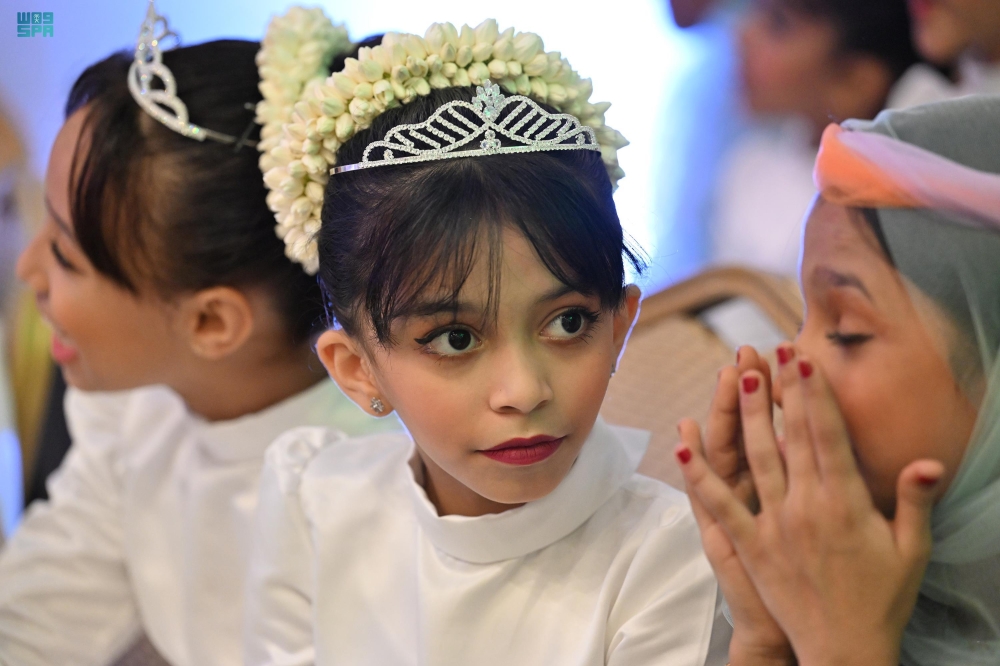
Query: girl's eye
60 257
452 342
570 324
848 339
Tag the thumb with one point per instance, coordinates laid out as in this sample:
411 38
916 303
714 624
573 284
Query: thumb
918 488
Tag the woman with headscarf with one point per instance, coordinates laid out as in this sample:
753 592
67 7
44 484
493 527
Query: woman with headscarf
873 529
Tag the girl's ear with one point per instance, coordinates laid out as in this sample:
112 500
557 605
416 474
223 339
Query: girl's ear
216 321
348 365
625 317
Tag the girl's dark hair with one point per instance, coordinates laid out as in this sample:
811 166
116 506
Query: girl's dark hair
391 234
879 28
153 208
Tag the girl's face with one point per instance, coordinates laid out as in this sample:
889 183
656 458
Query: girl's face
104 337
500 410
883 348
944 29
786 57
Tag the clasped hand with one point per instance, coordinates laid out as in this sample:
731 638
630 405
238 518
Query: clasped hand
810 568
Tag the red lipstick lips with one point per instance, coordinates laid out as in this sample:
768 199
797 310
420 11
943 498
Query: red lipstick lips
521 451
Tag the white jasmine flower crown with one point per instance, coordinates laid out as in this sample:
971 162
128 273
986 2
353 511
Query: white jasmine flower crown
396 72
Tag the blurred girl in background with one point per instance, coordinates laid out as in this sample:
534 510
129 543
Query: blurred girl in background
163 281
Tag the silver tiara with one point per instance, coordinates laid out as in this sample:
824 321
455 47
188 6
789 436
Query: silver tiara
164 105
527 128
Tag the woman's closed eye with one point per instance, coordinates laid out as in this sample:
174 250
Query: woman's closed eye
60 257
571 324
842 339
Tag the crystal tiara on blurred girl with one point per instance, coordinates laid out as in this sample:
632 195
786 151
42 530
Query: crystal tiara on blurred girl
473 263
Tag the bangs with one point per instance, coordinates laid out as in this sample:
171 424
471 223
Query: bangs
429 224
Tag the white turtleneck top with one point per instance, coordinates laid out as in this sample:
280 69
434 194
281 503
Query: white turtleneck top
353 565
147 529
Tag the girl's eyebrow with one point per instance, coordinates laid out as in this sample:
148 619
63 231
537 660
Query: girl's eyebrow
452 306
831 278
61 223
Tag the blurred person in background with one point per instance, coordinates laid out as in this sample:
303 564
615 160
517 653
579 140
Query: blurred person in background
803 63
947 31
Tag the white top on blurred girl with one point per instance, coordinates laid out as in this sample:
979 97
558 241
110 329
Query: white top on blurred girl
482 298
158 265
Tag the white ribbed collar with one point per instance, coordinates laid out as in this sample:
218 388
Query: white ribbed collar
607 460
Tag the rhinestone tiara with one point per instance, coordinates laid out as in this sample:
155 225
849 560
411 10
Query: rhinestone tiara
504 125
164 105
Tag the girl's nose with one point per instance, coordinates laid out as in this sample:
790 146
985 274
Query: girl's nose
521 385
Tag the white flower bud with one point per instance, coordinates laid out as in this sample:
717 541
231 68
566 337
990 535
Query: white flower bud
330 158
478 72
420 86
553 69
461 78
325 125
352 68
310 147
383 92
514 68
526 46
400 73
345 127
449 69
344 84
372 70
383 57
497 69
359 108
438 81
434 63
503 49
295 131
448 52
466 37
314 192
557 94
274 177
314 163
585 88
301 208
434 37
463 57
281 154
398 90
291 187
539 88
333 106
450 34
537 65
362 91
331 143
414 46
523 85
417 67
482 52
487 32
509 86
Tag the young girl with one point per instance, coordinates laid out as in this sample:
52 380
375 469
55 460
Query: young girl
158 265
890 396
473 262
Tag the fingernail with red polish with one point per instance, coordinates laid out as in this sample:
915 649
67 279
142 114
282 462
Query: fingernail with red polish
805 368
750 384
928 481
785 354
684 455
